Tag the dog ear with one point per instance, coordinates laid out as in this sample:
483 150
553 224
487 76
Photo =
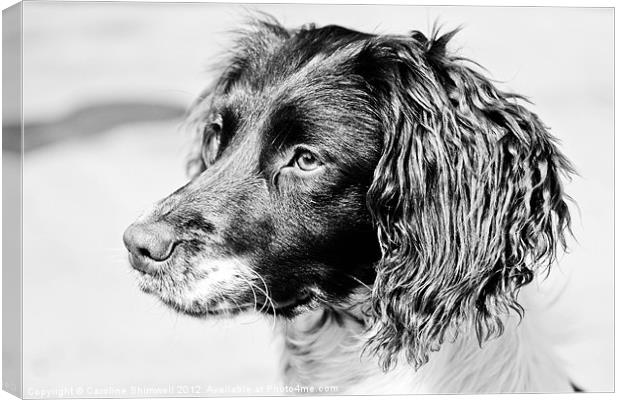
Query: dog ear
466 198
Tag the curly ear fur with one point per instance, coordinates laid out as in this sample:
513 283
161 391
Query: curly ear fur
466 198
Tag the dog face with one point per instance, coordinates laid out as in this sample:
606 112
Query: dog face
330 160
276 209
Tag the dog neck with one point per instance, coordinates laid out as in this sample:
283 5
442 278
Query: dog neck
323 350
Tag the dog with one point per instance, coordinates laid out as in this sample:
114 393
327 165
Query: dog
377 195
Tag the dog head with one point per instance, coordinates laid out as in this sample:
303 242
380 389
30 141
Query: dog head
329 160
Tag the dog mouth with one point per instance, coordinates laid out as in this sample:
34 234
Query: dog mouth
284 308
230 304
288 307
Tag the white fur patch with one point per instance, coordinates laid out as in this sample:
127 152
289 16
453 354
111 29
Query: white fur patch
330 354
221 276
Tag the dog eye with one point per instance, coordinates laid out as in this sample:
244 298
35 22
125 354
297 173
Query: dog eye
216 127
211 141
306 161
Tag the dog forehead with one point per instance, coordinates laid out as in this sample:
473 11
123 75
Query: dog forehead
320 114
304 90
258 64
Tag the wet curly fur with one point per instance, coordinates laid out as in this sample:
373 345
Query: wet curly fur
436 190
466 197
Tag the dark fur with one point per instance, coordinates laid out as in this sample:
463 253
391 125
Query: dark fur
437 189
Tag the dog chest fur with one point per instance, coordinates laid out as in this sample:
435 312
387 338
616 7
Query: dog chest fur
324 348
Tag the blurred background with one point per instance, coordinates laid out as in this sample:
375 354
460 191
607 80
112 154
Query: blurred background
105 88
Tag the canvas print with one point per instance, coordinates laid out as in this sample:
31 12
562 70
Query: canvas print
283 199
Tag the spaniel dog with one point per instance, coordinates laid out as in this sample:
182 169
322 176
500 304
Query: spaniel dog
379 197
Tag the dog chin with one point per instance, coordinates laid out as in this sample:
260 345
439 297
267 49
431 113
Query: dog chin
221 294
225 307
228 309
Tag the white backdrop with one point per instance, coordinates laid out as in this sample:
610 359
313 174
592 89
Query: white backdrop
86 323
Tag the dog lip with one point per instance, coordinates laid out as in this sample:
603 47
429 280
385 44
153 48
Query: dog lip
291 304
293 301
279 307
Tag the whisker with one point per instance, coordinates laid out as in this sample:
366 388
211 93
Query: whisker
359 281
268 298
246 280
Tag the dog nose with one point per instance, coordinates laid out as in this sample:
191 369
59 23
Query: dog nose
148 243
